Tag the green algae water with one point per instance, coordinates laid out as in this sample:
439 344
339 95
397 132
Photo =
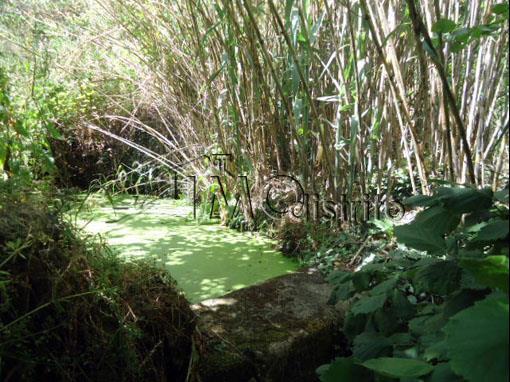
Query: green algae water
206 260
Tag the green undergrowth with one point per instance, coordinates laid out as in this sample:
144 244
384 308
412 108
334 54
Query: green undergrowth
435 308
73 310
330 246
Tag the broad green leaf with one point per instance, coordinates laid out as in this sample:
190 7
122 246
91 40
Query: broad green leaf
468 281
343 369
462 299
338 277
342 292
491 271
443 373
418 237
370 345
401 339
420 201
435 347
385 286
368 304
422 325
401 306
461 35
483 30
438 219
443 26
440 278
494 230
399 367
354 325
464 200
477 341
386 321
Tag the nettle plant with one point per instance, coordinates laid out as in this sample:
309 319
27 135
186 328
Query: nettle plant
436 309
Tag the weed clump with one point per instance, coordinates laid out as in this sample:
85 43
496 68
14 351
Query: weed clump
72 310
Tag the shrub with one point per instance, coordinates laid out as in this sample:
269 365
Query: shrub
437 308
72 310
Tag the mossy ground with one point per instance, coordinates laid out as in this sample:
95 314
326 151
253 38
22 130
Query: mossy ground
207 260
280 330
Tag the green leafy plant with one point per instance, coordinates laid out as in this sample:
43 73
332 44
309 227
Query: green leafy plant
437 308
459 37
26 129
71 309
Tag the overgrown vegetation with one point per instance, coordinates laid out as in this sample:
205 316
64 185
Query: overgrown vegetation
436 308
351 97
72 310
344 96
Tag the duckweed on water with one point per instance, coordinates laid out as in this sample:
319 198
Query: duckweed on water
207 260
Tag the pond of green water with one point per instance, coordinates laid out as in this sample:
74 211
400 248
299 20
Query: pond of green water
206 260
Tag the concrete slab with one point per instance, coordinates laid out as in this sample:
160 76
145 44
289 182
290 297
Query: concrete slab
280 330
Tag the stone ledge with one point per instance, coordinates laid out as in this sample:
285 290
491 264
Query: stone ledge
280 330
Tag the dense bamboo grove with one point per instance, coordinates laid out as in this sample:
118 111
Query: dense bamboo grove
345 94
